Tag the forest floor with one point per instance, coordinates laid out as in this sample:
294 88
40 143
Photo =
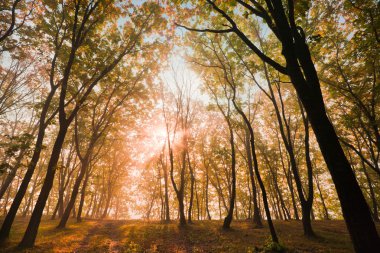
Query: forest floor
201 236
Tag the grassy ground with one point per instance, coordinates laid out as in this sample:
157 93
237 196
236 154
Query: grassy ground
202 236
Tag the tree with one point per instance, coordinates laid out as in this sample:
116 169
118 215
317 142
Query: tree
85 19
301 71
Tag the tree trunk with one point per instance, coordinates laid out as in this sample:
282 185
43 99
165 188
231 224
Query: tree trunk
256 168
74 193
8 221
82 196
325 210
206 193
8 180
32 229
30 199
192 181
182 218
375 213
354 207
179 192
167 211
256 211
228 218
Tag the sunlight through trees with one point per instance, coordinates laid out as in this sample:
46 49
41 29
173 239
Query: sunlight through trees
259 111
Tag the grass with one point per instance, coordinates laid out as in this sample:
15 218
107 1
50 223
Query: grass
202 236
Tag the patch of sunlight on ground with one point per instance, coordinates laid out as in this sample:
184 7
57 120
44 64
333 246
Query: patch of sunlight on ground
201 236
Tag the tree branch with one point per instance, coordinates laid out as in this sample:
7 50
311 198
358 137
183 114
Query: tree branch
205 30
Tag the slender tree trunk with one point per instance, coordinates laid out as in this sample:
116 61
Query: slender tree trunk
206 193
308 203
289 180
256 168
74 212
106 208
179 192
30 199
167 210
8 180
74 193
256 211
199 211
220 208
262 187
325 210
8 221
32 229
283 124
375 213
91 206
280 197
82 197
276 203
291 188
192 181
7 200
99 205
228 218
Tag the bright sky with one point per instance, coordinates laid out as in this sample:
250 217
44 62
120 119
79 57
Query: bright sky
155 132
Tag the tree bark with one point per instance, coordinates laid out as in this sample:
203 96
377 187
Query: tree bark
8 221
192 181
82 197
228 218
32 229
256 210
354 207
74 193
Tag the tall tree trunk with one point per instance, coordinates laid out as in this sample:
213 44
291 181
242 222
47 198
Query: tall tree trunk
192 181
82 197
32 229
256 167
256 211
107 206
325 210
199 210
287 140
179 192
308 203
303 75
8 221
354 207
167 210
7 200
74 192
289 180
206 193
30 199
8 180
375 213
228 218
